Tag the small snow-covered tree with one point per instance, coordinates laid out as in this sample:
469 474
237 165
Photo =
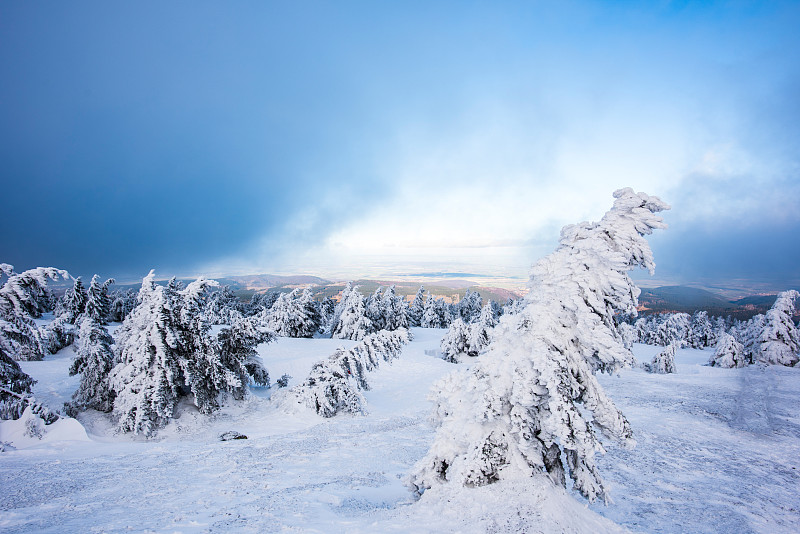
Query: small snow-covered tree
330 390
455 342
333 385
664 361
20 339
779 340
94 359
701 332
353 321
728 353
416 308
98 302
532 398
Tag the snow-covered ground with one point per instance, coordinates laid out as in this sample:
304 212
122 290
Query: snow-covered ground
718 451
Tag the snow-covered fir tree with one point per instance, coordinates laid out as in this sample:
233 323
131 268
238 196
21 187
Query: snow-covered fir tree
728 353
513 306
671 328
701 332
749 335
395 310
779 339
664 361
221 304
312 311
434 314
334 384
98 302
20 296
497 310
480 331
416 308
327 309
75 299
469 308
165 351
330 390
94 359
57 334
237 352
375 310
353 322
532 398
15 386
628 334
294 315
122 303
455 342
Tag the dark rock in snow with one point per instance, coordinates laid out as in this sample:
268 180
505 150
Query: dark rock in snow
231 434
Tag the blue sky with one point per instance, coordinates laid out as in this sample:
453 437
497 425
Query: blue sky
370 138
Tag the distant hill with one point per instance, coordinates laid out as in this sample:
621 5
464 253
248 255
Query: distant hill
690 299
267 281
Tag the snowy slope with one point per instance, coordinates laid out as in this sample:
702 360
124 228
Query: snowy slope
717 452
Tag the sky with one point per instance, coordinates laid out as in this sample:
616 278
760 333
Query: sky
350 139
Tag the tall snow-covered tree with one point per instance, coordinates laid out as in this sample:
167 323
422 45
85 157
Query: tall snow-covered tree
20 339
434 314
238 352
416 308
779 340
728 353
395 310
532 398
221 304
75 299
469 308
749 335
15 385
312 311
480 331
375 309
353 321
98 302
165 351
122 303
94 359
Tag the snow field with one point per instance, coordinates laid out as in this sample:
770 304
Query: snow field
717 451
